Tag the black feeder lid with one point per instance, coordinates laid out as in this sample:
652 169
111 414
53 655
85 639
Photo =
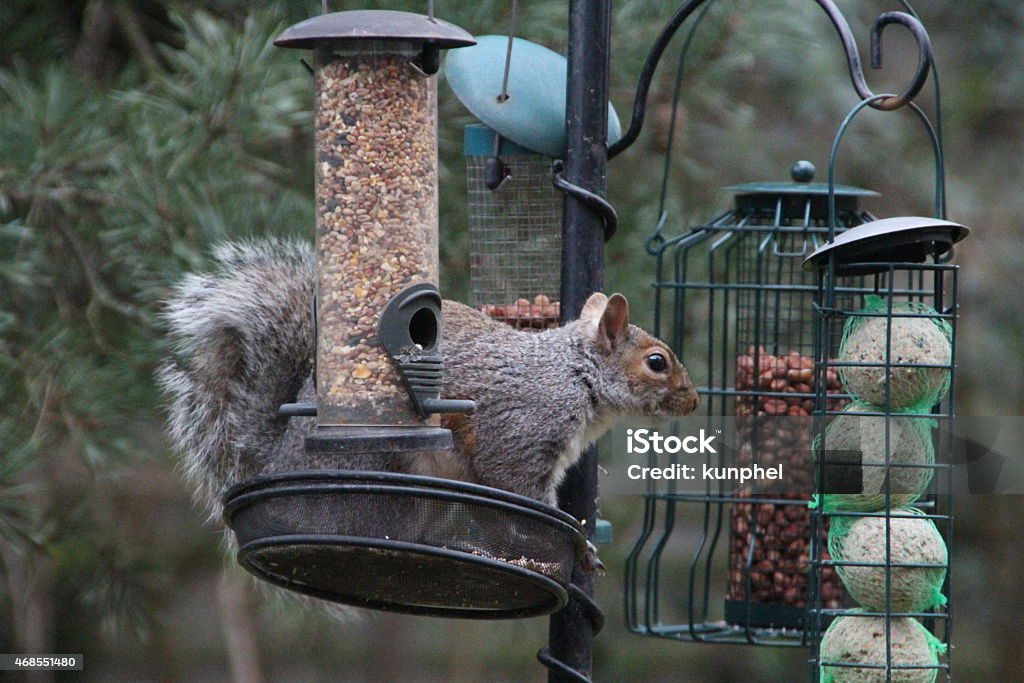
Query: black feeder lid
405 543
869 247
374 25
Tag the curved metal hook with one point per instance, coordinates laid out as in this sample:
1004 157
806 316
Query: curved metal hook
595 202
885 103
643 85
924 57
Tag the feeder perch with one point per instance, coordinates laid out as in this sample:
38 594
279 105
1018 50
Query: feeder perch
371 537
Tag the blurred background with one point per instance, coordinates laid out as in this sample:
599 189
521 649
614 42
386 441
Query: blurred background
136 133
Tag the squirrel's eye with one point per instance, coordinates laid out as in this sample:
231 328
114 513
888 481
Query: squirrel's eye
657 362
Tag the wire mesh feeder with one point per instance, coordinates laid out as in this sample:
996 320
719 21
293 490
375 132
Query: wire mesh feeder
517 90
731 296
515 229
405 543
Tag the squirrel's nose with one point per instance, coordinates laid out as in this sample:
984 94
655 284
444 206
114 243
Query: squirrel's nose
694 400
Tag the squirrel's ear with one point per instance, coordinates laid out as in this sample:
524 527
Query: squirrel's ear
614 325
594 309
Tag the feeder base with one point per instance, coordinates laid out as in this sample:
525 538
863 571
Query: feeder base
373 439
761 615
405 543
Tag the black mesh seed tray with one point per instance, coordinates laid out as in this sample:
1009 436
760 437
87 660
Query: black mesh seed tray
404 543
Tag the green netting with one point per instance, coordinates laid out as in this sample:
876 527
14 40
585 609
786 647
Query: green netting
914 340
856 475
855 639
912 541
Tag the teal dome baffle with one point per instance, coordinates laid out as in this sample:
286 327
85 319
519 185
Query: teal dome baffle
533 114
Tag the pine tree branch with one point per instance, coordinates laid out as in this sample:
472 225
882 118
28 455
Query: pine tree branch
59 195
91 52
45 413
96 285
128 21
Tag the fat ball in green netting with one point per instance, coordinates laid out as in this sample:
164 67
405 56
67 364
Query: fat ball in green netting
855 639
912 340
855 471
912 541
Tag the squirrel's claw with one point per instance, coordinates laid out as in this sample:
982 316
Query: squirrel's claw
591 562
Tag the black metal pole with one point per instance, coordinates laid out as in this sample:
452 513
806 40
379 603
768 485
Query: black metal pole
571 631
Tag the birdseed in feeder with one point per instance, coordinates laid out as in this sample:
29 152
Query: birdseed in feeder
916 340
376 202
912 541
855 450
861 640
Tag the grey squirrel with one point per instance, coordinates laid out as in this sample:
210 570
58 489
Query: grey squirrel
242 344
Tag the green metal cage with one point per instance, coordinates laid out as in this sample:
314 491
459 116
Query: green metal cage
735 303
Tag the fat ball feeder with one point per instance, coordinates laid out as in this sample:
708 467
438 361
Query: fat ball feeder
893 348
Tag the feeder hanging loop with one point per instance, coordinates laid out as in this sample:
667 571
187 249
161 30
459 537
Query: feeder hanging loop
594 201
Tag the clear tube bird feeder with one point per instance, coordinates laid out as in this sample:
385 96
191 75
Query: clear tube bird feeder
376 197
371 534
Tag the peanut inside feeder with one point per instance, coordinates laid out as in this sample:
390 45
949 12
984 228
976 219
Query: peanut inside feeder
776 428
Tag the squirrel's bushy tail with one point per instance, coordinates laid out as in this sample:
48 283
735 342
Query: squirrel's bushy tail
241 345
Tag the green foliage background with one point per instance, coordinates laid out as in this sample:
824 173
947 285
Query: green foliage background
136 133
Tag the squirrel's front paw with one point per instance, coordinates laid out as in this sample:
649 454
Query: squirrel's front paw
591 562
